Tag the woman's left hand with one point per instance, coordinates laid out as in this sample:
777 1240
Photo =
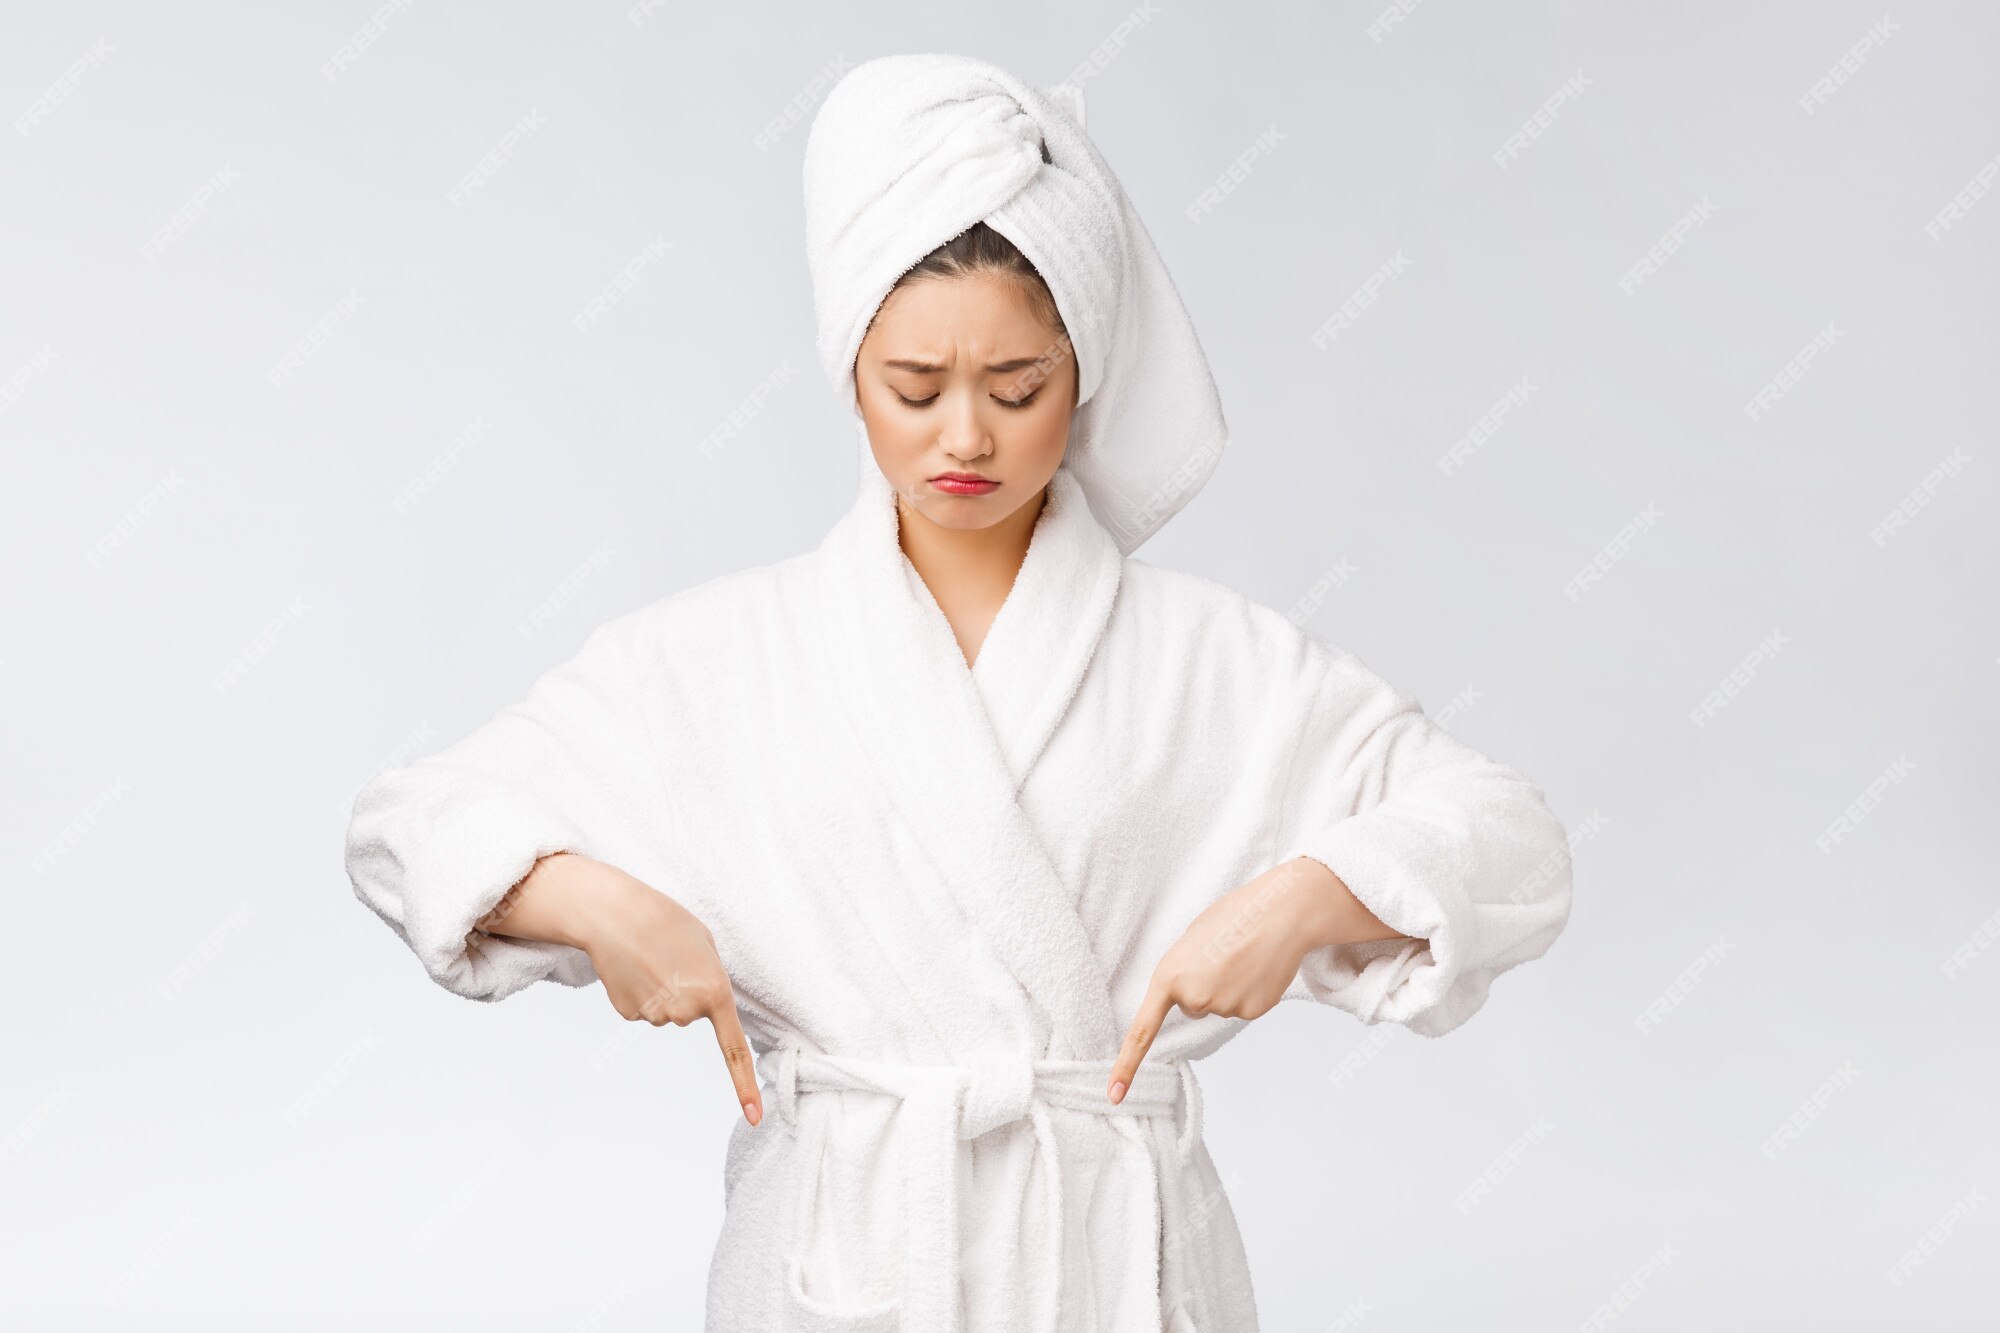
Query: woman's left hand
1237 958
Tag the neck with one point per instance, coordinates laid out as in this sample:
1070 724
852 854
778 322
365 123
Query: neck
968 560
969 571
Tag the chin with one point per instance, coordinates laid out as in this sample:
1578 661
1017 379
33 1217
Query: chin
964 512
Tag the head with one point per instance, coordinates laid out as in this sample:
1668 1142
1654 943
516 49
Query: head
967 368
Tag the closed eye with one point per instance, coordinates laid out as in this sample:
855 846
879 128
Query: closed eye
1015 403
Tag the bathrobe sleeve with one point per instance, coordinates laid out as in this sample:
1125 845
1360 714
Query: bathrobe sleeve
1443 844
433 845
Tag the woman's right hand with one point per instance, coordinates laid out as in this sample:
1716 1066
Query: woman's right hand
656 959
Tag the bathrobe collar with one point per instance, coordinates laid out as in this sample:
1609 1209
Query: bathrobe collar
952 745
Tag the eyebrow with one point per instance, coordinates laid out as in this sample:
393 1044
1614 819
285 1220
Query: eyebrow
926 368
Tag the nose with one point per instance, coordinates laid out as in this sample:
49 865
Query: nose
963 433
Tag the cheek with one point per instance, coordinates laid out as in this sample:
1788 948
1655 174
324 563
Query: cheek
1046 427
893 434
877 411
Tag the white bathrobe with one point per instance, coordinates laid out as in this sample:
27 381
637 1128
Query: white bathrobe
941 892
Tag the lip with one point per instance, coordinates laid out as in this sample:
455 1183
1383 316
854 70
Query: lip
964 483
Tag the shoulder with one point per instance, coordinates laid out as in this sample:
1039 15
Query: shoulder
714 616
1214 618
1222 635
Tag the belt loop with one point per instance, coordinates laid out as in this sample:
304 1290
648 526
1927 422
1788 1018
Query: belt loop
785 1084
1190 1110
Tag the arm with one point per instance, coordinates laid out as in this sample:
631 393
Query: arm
434 846
1457 857
1328 911
560 901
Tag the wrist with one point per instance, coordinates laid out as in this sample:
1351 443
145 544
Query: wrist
593 896
1325 909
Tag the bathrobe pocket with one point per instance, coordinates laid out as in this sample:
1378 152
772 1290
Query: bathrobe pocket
805 1314
825 1253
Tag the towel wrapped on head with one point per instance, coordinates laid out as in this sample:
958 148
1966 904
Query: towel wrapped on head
908 151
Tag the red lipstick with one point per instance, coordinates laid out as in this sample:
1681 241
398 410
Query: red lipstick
964 483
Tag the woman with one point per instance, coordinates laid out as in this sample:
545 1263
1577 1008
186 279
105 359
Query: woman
977 831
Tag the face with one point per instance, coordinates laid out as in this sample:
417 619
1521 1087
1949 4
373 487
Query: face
958 378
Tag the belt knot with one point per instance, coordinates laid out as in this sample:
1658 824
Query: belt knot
998 1091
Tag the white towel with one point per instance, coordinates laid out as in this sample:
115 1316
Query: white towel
908 151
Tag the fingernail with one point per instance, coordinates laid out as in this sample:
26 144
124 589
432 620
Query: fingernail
752 1113
1117 1089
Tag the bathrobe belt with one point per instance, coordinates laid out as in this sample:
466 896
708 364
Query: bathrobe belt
944 1105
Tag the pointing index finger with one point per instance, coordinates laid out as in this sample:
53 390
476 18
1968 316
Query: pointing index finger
1139 1039
736 1054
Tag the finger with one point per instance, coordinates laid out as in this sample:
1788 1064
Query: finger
1139 1038
736 1054
655 1008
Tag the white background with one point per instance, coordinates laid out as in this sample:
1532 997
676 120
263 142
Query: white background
230 1099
